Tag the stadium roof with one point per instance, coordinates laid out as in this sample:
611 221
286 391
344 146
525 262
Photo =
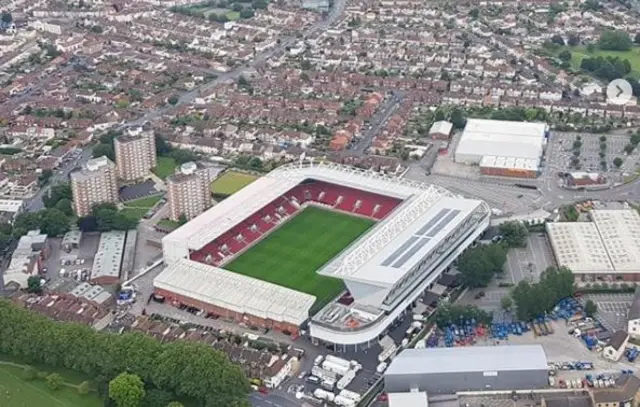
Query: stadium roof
501 138
578 245
620 232
469 359
390 250
235 292
223 216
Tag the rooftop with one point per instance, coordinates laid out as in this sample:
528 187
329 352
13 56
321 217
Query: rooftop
578 245
620 231
469 359
92 168
410 399
412 241
108 258
10 205
502 138
228 213
234 291
441 127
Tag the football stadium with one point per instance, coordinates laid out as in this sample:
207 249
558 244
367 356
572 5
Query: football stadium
341 250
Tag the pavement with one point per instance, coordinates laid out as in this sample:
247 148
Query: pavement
389 106
529 262
60 175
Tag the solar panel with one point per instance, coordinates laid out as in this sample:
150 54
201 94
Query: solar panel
432 222
402 260
400 250
443 223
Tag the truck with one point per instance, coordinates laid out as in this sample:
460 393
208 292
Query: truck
335 368
322 373
351 395
337 360
344 401
324 395
318 360
387 353
346 379
328 384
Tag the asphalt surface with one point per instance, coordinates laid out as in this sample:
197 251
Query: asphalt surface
60 175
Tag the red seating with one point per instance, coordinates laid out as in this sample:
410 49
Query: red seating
302 193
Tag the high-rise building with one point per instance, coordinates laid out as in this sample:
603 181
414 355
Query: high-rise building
188 191
94 184
135 154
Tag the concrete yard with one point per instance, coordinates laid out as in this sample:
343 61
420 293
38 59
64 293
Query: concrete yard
529 262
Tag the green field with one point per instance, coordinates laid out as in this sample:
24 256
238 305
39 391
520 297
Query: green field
165 166
231 182
578 53
147 202
15 391
291 255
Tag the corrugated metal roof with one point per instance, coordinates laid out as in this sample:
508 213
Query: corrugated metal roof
468 359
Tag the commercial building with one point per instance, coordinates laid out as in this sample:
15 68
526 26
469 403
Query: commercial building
441 130
135 154
421 230
616 346
27 259
502 148
188 191
476 368
94 184
626 392
108 258
605 249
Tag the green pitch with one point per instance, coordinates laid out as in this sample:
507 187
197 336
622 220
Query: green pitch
291 254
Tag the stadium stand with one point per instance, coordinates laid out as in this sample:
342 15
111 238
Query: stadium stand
259 224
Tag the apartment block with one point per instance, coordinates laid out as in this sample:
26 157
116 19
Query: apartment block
94 184
188 191
135 154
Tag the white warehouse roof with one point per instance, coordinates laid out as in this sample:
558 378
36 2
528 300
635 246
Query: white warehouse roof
500 138
509 163
469 359
620 232
578 245
235 292
611 243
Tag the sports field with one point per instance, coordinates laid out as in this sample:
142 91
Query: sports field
291 255
231 182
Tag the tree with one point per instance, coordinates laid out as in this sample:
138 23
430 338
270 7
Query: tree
259 4
573 39
127 390
474 13
175 404
54 381
54 222
514 233
6 18
247 13
557 39
565 55
533 300
590 308
506 302
636 38
237 7
104 150
44 177
25 222
56 193
173 100
614 40
65 206
617 162
33 285
457 118
479 264
182 219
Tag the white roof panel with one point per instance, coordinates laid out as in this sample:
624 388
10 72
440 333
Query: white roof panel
469 359
412 242
502 138
409 399
234 291
620 232
578 245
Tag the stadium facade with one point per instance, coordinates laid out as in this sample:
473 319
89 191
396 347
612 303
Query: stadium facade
421 230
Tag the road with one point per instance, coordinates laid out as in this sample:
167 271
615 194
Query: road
381 117
61 175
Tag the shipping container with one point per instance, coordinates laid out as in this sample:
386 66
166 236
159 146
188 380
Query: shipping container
322 373
337 360
318 360
324 395
344 401
351 395
346 380
328 384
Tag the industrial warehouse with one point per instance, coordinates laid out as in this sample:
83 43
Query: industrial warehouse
452 370
605 249
502 148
